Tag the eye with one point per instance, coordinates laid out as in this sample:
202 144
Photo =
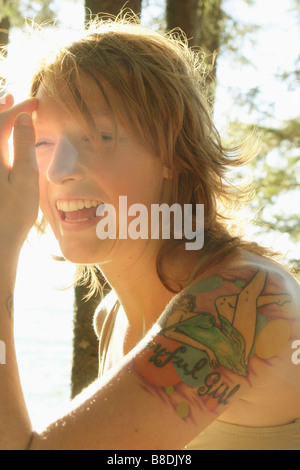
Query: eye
41 144
106 137
44 144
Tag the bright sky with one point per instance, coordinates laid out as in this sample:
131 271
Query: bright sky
275 50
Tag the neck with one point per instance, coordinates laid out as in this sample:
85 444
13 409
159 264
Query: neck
134 278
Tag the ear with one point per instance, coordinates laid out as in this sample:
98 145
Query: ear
168 173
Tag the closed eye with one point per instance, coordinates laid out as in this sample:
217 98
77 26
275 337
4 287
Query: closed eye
106 137
41 144
103 137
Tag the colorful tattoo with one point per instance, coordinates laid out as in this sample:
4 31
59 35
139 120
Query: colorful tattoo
198 348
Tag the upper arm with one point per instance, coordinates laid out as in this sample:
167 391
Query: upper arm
238 329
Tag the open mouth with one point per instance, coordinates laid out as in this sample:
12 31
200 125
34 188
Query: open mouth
77 211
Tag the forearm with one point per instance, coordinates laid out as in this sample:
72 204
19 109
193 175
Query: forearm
15 426
19 202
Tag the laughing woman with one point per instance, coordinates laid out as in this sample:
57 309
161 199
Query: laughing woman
199 341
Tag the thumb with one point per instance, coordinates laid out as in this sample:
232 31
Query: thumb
24 146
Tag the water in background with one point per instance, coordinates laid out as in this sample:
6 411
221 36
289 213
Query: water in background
44 330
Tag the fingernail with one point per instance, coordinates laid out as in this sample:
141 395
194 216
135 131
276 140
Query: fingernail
23 119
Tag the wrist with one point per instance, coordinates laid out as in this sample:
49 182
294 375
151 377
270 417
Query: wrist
9 257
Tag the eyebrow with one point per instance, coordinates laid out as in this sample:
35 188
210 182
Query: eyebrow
96 111
39 122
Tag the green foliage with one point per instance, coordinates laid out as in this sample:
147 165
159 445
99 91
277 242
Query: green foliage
276 173
276 169
17 10
211 24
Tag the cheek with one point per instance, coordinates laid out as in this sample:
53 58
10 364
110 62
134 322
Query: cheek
44 202
43 164
145 183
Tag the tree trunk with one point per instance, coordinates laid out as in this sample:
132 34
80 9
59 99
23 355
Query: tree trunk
184 15
85 342
202 22
112 7
211 28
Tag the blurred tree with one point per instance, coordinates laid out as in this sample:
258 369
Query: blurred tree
85 361
276 170
203 23
209 28
4 32
12 14
186 16
4 24
111 7
85 344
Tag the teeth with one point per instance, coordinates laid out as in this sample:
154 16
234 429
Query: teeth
72 206
76 221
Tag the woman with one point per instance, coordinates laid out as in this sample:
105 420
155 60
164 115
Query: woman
199 341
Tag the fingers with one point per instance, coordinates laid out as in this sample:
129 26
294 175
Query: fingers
27 106
24 148
6 102
19 186
8 117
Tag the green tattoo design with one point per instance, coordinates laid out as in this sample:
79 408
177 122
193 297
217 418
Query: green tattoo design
225 338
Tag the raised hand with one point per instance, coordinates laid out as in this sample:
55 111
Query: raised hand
19 194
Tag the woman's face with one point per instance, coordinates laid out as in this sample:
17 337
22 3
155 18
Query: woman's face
186 305
76 176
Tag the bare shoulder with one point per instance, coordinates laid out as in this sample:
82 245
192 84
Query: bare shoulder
103 310
240 319
274 279
224 340
230 334
248 283
258 280
239 270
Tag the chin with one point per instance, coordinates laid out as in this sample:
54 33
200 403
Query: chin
79 258
81 253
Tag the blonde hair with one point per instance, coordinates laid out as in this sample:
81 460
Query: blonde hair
160 87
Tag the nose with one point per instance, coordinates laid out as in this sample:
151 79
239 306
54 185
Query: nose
64 165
